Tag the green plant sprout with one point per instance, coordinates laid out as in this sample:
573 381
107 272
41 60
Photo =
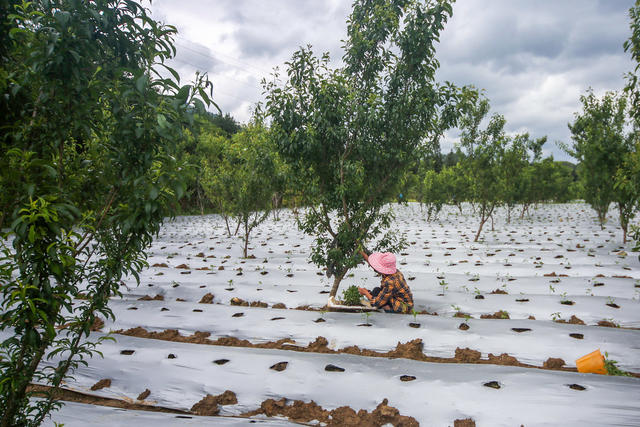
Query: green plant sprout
612 367
365 316
444 286
556 316
415 313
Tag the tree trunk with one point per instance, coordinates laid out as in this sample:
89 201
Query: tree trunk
12 406
624 223
226 221
235 233
336 282
479 230
246 236
508 214
492 229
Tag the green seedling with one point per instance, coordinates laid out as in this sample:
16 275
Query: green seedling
444 285
612 367
365 316
556 316
415 313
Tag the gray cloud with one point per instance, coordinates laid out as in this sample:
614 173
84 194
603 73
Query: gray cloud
533 58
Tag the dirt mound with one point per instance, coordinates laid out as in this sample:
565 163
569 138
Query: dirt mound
553 363
103 383
466 355
608 324
499 292
574 320
463 315
279 305
150 298
259 304
209 405
504 359
300 411
238 301
183 267
410 350
207 299
467 422
319 346
497 315
97 324
160 264
144 395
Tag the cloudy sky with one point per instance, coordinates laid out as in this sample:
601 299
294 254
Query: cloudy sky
533 58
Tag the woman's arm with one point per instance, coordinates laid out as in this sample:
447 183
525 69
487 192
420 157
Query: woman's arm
383 296
366 293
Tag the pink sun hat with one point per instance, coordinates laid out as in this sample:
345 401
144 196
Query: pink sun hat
383 262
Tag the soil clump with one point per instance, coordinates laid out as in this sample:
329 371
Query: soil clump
103 383
206 298
300 411
209 405
553 363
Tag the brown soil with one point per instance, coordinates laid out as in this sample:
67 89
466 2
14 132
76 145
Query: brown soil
607 324
499 291
183 267
103 383
97 325
238 301
300 411
466 355
573 321
497 315
150 298
74 396
279 305
463 326
553 363
209 404
207 298
259 304
410 350
280 366
144 395
160 264
467 422
504 359
462 315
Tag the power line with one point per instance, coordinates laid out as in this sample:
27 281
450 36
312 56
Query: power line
239 63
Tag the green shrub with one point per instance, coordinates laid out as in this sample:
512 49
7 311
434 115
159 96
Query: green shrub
351 296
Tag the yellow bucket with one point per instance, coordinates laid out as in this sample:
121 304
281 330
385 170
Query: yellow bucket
592 363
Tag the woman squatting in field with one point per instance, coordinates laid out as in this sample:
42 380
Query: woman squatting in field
393 295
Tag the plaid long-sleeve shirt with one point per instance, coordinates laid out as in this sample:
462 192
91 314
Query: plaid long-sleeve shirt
394 292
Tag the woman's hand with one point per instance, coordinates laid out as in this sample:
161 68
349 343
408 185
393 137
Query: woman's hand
365 293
